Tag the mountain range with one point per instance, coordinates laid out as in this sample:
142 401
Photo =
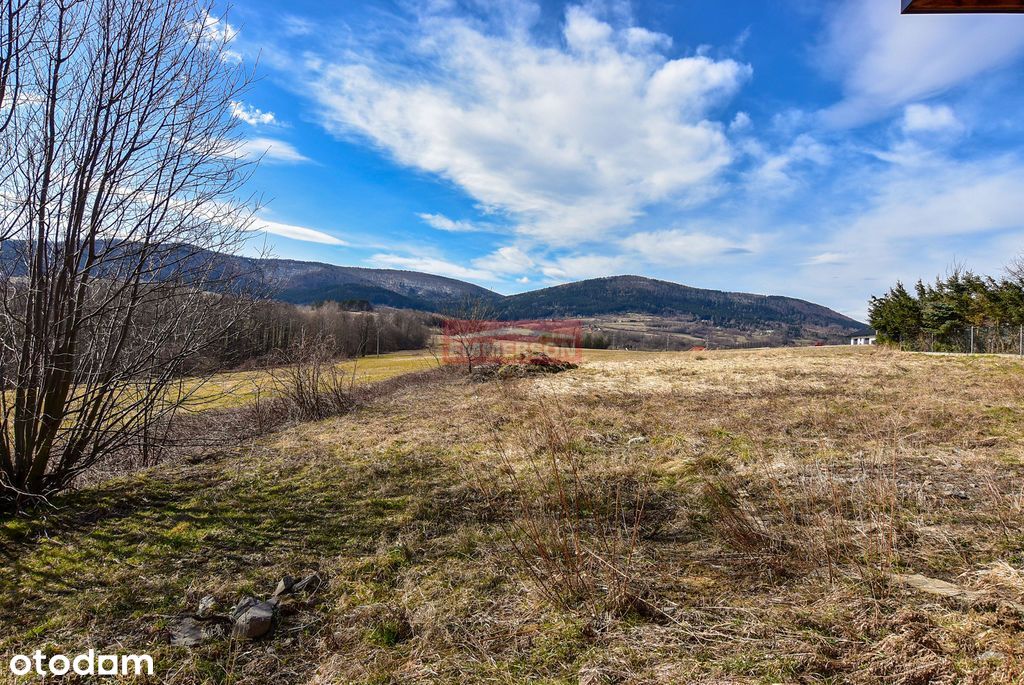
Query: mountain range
301 282
309 282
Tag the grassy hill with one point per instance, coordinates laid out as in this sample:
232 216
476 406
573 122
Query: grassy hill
798 515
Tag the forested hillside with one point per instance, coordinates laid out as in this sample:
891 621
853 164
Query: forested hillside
620 294
308 283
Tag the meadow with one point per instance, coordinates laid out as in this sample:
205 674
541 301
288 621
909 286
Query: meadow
237 388
813 515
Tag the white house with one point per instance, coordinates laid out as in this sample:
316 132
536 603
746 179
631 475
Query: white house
863 340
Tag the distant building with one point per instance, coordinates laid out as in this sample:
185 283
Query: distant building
863 340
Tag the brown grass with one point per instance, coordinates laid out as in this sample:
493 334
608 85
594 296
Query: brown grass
580 512
728 517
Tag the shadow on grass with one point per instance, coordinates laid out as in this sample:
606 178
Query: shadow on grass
139 546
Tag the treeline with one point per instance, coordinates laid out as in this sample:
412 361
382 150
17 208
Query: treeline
354 329
940 316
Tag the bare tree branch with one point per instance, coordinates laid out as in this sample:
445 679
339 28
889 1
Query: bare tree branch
118 191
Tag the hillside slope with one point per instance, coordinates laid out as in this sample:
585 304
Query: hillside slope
636 294
309 282
294 281
301 282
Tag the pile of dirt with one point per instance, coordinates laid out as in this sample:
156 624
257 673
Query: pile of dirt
527 364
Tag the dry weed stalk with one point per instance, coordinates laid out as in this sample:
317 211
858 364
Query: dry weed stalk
809 517
1007 508
578 526
308 383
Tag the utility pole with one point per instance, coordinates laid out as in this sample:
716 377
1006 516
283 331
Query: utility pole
972 339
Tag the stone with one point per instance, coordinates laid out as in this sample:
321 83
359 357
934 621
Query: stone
186 633
934 586
284 586
206 606
310 582
252 618
244 604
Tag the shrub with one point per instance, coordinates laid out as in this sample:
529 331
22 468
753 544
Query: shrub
308 382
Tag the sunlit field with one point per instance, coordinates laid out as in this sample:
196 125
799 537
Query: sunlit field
237 388
211 211
791 515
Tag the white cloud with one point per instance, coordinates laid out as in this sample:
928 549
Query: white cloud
826 258
640 39
571 141
918 118
431 265
921 212
216 33
443 223
295 232
885 60
251 115
958 199
674 246
297 26
271 150
506 260
740 122
584 33
578 267
774 171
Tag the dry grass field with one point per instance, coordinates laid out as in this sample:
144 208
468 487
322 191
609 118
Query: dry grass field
235 388
717 517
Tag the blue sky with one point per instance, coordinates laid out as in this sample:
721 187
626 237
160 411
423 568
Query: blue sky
820 152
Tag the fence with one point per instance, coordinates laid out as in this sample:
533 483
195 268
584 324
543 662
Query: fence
973 340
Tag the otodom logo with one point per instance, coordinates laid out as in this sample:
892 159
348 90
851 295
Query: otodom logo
89 663
474 341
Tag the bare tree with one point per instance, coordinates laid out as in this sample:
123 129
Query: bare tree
16 33
120 165
465 330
